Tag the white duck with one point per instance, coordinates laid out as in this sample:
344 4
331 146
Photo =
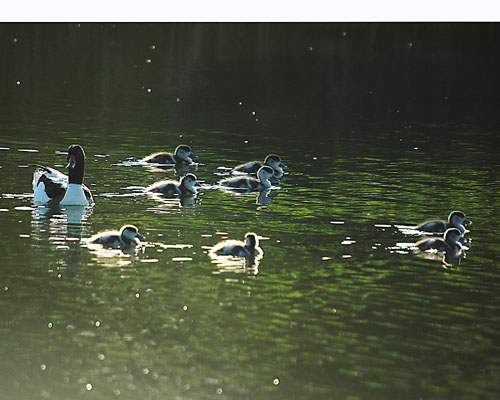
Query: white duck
53 187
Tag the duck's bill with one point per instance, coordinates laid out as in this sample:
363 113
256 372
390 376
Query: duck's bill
467 221
283 165
140 236
193 155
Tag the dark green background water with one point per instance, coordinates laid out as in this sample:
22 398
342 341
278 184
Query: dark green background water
380 124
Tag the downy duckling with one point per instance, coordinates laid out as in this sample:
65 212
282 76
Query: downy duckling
53 187
185 187
264 174
272 160
183 156
455 220
451 240
237 248
128 235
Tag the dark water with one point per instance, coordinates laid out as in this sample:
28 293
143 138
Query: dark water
379 124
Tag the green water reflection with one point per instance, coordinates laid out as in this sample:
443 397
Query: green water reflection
332 313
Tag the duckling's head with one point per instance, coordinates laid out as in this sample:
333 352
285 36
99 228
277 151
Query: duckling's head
184 151
189 181
274 161
251 240
130 234
265 173
458 218
452 235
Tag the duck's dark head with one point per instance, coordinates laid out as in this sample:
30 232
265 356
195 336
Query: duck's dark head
130 234
184 151
251 240
458 218
76 163
452 235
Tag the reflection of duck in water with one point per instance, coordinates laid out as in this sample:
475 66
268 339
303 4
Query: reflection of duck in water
272 160
53 187
456 219
185 187
182 156
127 236
264 174
237 248
450 243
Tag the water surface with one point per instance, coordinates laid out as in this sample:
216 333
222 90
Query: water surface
334 309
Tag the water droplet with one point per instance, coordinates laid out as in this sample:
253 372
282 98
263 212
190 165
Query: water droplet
153 47
149 90
98 323
219 391
410 44
240 103
334 310
185 308
18 83
14 40
276 381
310 48
49 325
344 34
43 367
101 356
178 99
246 141
137 295
148 60
59 276
145 371
89 387
6 288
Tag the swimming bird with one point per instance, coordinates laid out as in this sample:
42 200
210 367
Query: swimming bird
452 236
128 235
272 160
185 187
237 248
53 187
183 155
248 183
456 219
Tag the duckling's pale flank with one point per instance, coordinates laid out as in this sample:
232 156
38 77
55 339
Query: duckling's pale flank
237 248
185 187
272 160
452 236
128 235
53 187
264 174
183 155
456 219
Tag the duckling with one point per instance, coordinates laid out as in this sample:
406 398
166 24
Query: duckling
185 187
237 248
451 241
272 160
455 220
53 187
183 155
128 235
264 174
